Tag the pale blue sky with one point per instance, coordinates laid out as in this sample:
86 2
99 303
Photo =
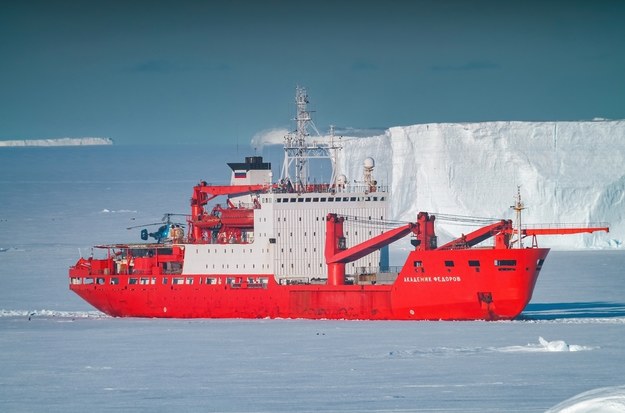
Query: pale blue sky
219 72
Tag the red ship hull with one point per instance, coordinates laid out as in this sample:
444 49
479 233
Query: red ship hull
293 248
446 285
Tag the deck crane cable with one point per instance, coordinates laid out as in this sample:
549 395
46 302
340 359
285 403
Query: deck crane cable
466 219
371 222
386 223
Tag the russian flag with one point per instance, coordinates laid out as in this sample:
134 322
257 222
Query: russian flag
240 174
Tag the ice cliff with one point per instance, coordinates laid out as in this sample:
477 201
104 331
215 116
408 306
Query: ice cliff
569 172
57 142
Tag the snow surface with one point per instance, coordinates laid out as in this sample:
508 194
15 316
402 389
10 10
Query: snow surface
57 142
59 354
569 172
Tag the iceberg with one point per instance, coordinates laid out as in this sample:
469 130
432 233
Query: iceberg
568 173
602 400
87 141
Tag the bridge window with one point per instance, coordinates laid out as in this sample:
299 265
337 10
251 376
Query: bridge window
417 263
474 263
449 263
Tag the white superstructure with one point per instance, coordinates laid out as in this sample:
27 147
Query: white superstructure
287 236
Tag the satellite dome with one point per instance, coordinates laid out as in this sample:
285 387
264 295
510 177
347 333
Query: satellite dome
341 179
369 162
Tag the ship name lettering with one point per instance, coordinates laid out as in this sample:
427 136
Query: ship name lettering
418 279
437 279
446 279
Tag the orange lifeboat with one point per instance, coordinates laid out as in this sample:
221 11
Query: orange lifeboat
237 218
207 221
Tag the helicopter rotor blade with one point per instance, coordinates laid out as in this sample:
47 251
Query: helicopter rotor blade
144 225
167 216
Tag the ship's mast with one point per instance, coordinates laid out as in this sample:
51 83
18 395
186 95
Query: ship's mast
297 151
303 119
518 207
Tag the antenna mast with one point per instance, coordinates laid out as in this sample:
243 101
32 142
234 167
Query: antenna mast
518 207
303 119
297 151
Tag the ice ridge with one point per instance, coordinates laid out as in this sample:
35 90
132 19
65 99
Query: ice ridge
86 141
568 172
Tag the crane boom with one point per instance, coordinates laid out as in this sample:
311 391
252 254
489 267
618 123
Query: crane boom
337 254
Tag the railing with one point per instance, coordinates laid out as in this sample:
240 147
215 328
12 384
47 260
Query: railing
395 269
334 190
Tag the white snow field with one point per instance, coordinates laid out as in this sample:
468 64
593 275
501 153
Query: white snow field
565 353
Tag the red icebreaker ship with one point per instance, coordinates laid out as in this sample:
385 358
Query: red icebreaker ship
297 249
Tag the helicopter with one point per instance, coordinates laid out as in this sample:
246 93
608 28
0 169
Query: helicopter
168 232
